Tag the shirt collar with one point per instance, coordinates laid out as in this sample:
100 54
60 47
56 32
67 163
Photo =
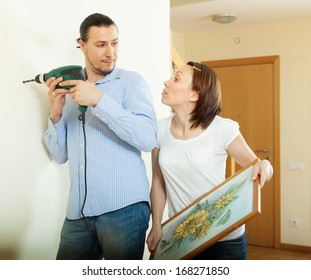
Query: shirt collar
114 75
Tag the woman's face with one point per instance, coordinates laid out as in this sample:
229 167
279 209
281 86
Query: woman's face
178 90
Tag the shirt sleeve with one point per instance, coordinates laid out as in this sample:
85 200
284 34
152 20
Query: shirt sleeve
55 140
163 130
229 131
134 121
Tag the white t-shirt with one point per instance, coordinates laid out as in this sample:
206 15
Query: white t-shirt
193 167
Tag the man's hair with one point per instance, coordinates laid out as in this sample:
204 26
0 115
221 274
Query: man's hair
94 20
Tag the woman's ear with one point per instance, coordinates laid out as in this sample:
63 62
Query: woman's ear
194 96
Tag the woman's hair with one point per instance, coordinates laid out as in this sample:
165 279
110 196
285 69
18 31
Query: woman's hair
205 82
94 20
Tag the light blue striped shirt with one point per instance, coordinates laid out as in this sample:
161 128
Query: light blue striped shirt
121 125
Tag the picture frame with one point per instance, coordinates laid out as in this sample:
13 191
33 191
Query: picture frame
210 217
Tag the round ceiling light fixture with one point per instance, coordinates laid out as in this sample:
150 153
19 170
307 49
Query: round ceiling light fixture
224 18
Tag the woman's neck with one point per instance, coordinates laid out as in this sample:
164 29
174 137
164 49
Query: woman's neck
181 127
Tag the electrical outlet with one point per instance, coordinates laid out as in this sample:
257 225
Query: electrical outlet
294 222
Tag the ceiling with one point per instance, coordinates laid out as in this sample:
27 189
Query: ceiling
196 15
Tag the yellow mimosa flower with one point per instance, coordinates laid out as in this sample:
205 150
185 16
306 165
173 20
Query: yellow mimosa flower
191 224
224 200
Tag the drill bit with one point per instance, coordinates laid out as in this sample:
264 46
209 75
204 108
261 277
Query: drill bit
28 81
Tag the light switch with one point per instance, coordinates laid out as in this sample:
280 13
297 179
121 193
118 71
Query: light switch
296 165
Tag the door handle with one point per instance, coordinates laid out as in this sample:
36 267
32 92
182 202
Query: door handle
266 150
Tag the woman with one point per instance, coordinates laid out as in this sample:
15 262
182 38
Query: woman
190 160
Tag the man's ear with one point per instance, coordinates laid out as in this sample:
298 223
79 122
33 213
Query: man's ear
82 45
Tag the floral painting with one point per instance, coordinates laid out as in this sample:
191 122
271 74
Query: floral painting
210 218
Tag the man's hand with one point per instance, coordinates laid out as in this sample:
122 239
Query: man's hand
57 98
83 92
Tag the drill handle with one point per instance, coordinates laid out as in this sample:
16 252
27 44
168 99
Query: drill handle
82 109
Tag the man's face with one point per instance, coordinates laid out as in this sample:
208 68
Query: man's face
101 49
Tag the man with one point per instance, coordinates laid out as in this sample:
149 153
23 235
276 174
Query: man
108 206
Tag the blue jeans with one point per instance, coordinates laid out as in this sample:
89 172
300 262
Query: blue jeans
235 249
117 235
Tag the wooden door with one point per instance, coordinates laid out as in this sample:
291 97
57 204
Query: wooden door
250 97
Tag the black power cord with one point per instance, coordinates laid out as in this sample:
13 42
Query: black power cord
82 119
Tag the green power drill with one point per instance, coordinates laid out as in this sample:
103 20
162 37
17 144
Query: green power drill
70 72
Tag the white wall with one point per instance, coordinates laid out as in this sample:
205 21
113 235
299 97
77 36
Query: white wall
292 41
37 36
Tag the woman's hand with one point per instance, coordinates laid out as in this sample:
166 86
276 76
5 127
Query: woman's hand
153 238
264 169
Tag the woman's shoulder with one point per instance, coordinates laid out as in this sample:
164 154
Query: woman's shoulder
163 129
224 122
164 122
226 129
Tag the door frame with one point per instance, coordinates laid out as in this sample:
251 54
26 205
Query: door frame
275 61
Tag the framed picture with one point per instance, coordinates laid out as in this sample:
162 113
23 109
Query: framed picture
211 217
